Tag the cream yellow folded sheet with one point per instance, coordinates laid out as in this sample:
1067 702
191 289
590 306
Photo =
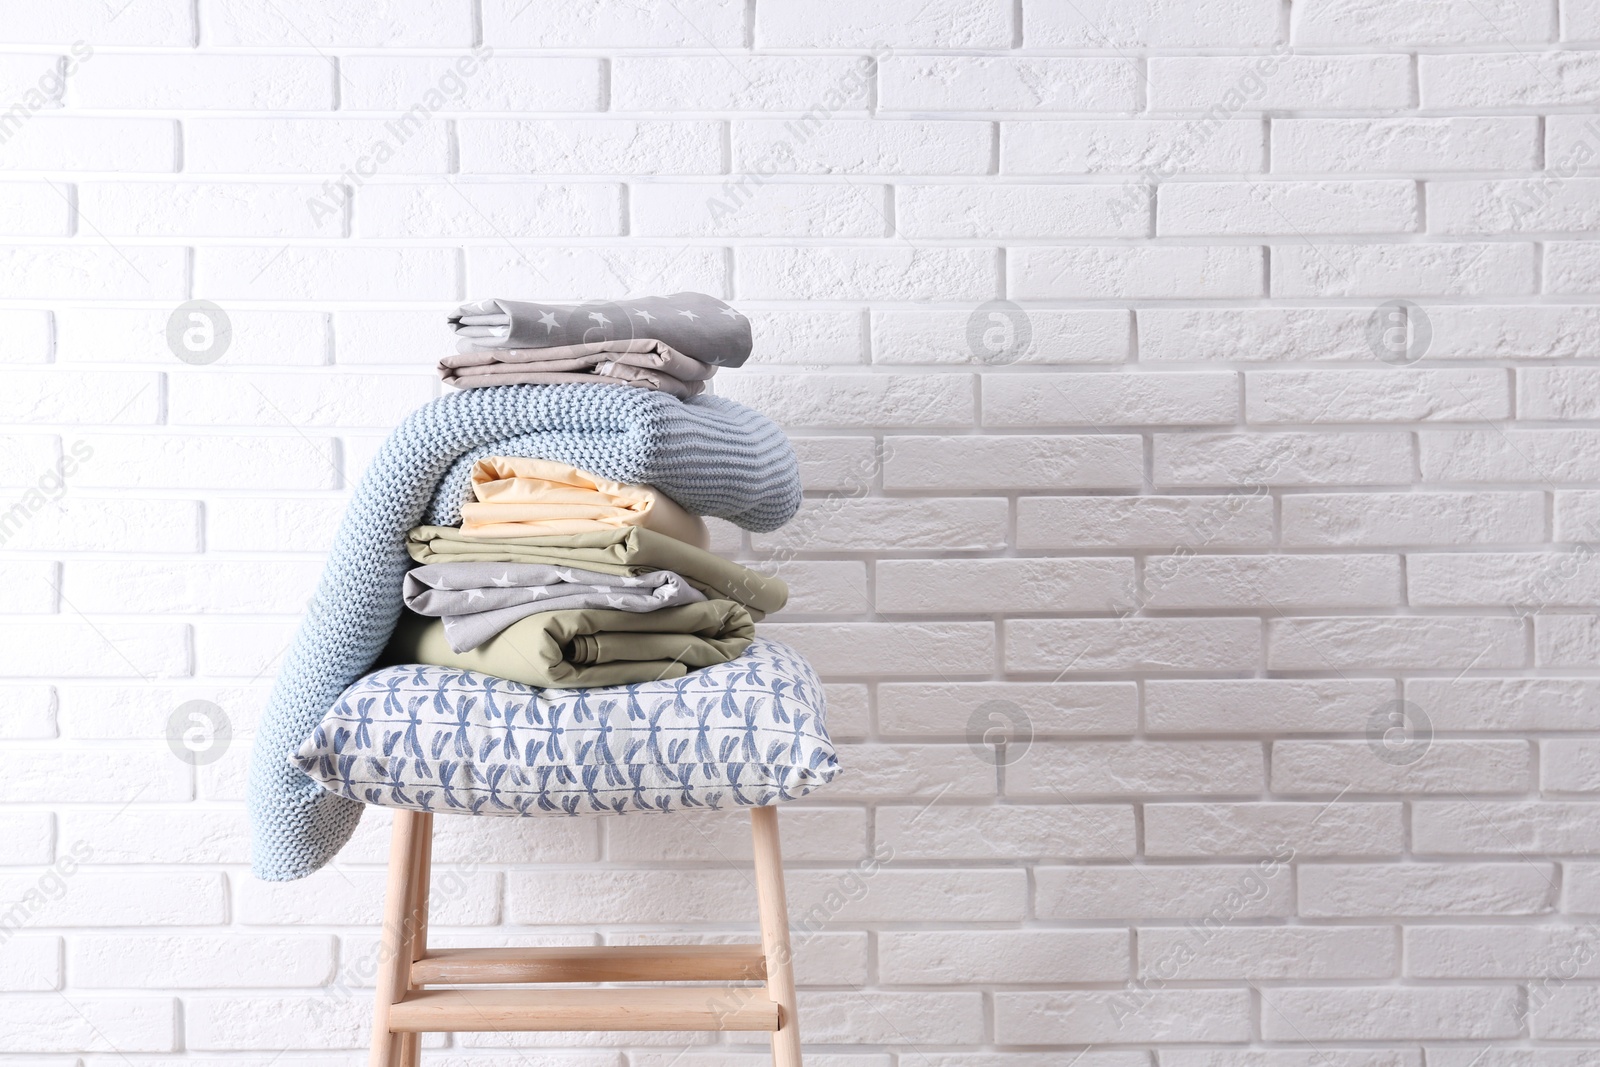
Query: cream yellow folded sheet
520 497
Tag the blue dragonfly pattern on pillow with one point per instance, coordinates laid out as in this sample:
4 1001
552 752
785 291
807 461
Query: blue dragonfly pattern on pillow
747 732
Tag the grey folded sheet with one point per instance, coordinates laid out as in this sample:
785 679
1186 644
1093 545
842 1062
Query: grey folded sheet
479 600
643 362
695 324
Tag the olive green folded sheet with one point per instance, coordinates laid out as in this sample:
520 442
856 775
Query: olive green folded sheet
587 647
626 550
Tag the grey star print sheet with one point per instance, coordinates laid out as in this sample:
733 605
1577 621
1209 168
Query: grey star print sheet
695 324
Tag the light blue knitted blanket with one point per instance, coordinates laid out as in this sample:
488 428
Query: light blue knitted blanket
709 454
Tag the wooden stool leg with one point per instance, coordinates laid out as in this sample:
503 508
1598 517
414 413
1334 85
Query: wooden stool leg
774 910
404 903
411 1044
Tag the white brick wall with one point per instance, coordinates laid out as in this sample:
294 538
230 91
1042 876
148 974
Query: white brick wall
1201 535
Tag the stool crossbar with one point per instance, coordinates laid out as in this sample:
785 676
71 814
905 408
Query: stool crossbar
407 1007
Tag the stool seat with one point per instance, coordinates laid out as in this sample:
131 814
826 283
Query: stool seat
757 990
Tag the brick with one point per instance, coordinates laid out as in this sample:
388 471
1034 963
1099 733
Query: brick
897 24
369 25
962 586
1577 516
854 648
262 525
30 964
173 836
1528 581
1283 953
470 82
1293 1057
194 462
1401 145
1001 83
1513 206
96 774
856 524
1280 83
1263 705
466 897
27 711
79 1024
763 209
26 336
1132 644
275 338
45 272
80 649
192 587
620 24
115 712
741 82
1120 768
574 273
125 898
1508 704
843 464
1512 333
900 772
488 209
1442 767
928 710
75 396
1012 832
1002 956
185 961
1543 827
73 143
911 1019
1214 892
240 1022
29 587
1239 335
1385 890
1105 24
1508 79
1234 521
1186 209
860 146
1569 139
856 400
809 834
1378 1014
295 400
167 22
242 650
1583 889
937 337
1568 1014
1020 211
1479 456
1566 640
31 836
1571 267
819 587
1135 1016
766 272
1065 461
1413 270
1500 952
1246 460
1156 148
1557 393
33 461
331 146
1266 829
1352 22
1110 399
1378 519
406 338
587 146
1456 642
1390 395
1130 273
807 337
1278 582
233 82
34 209
305 272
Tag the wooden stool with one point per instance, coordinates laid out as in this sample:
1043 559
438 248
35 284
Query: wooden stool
406 1009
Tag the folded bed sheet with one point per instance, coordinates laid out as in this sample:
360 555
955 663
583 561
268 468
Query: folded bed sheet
694 324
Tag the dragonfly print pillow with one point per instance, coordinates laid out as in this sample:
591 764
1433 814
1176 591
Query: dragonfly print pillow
747 732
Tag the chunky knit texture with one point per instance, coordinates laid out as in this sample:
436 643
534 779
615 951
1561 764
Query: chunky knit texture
711 455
